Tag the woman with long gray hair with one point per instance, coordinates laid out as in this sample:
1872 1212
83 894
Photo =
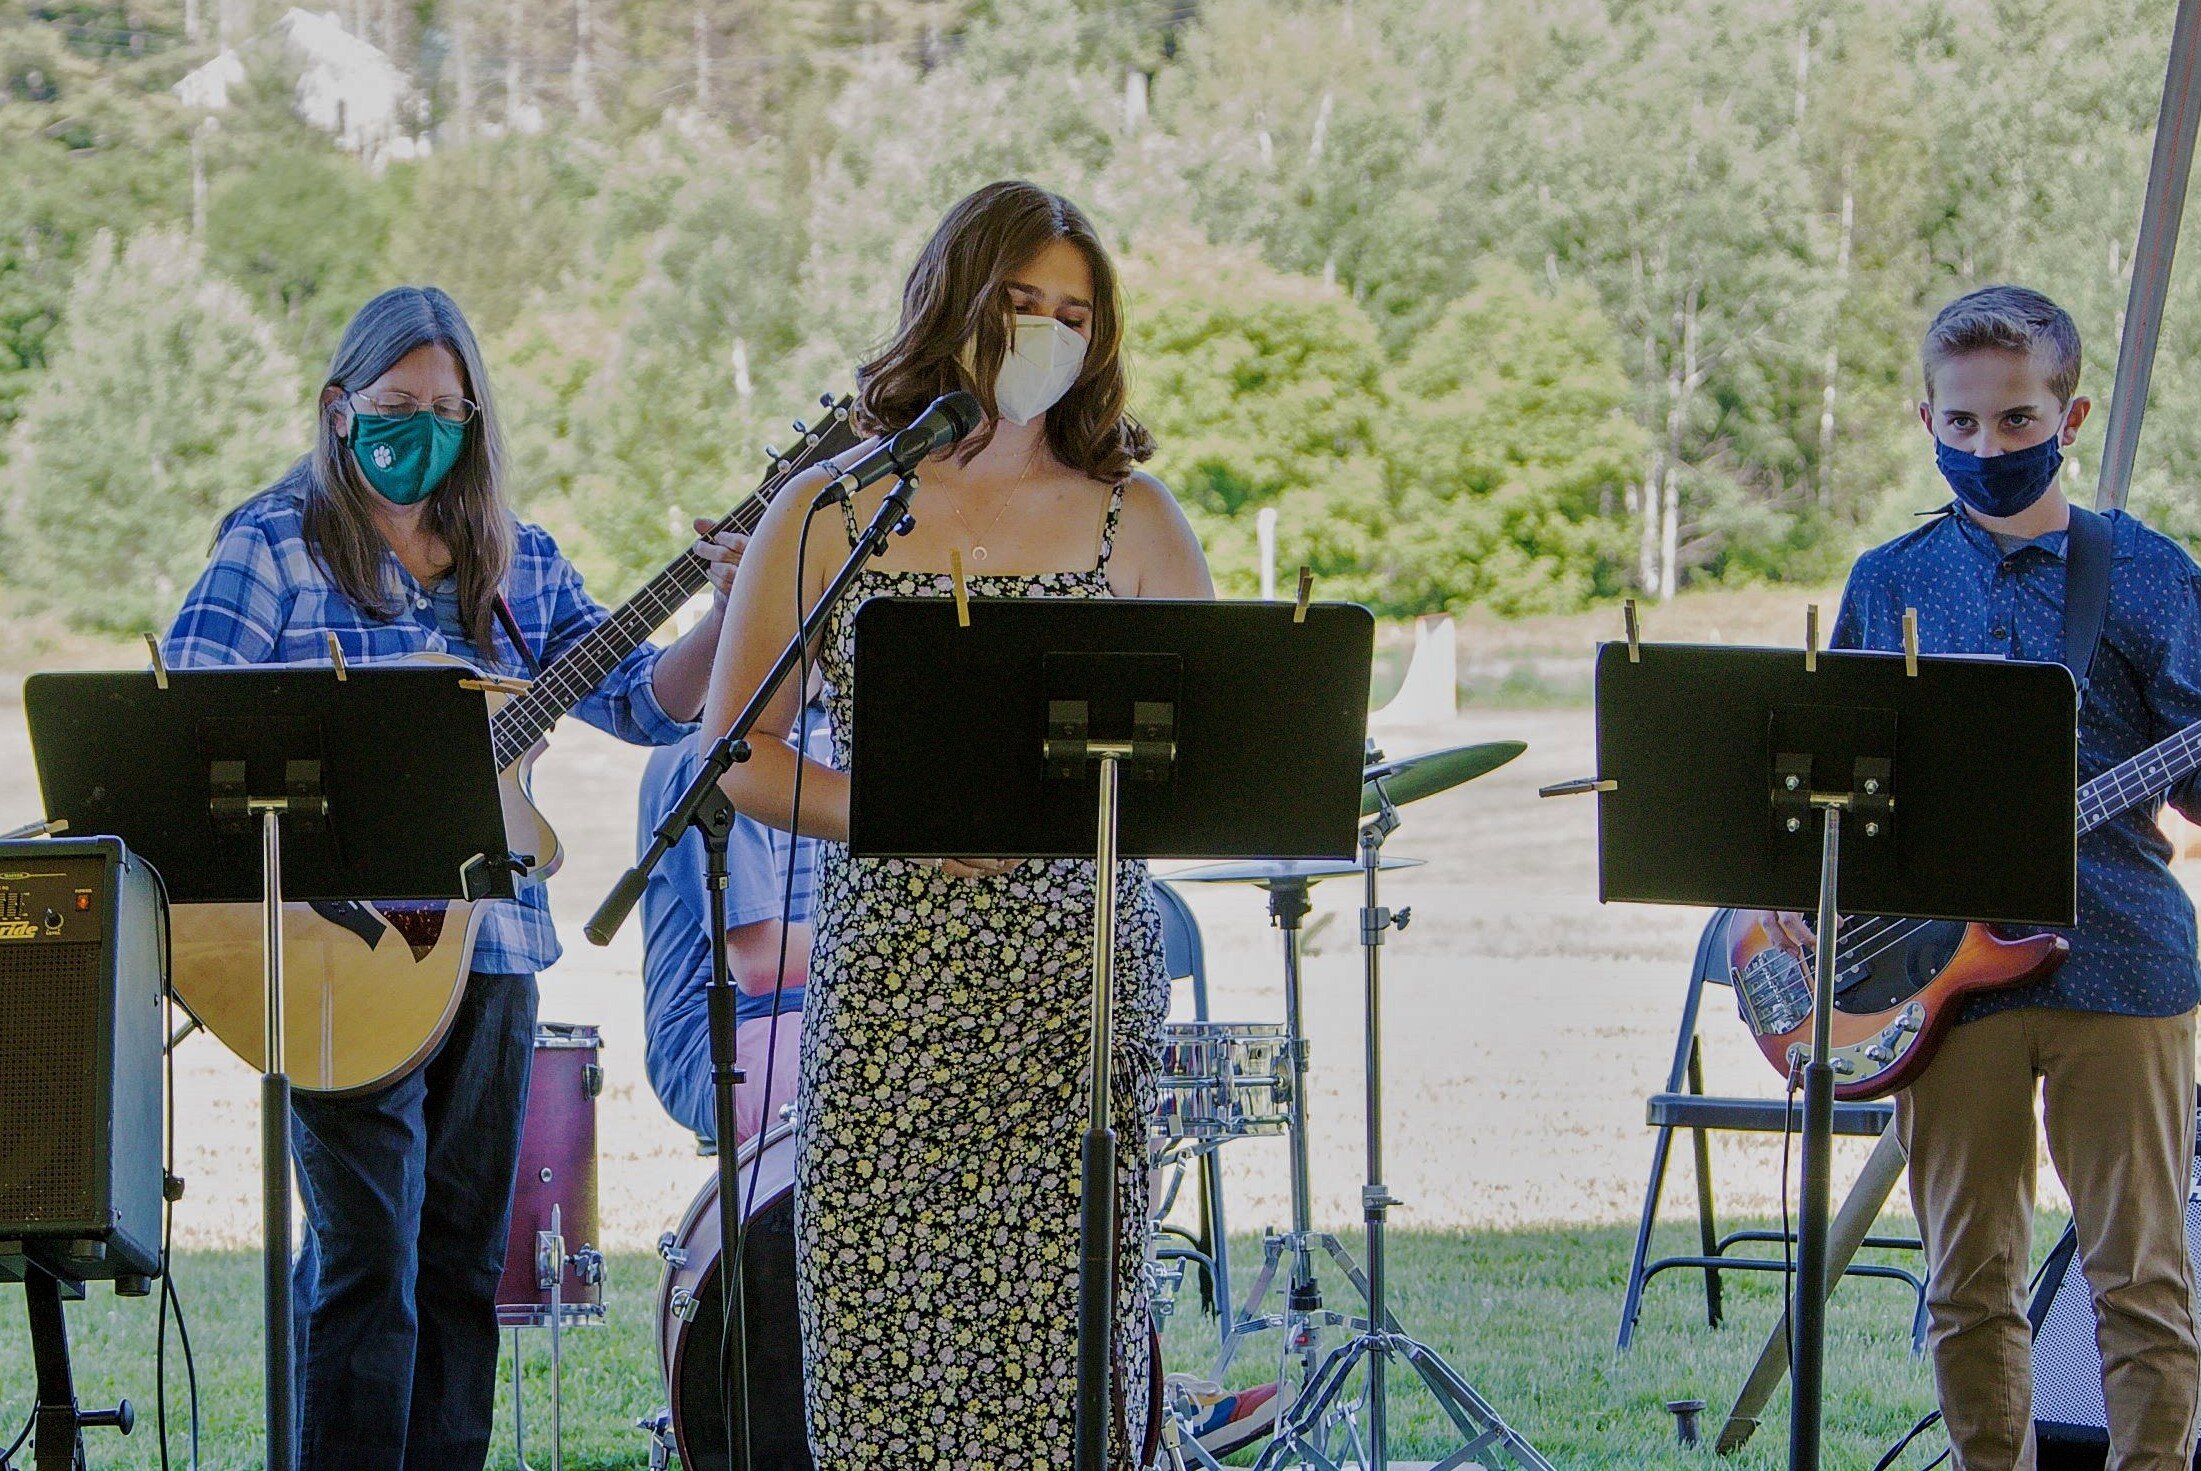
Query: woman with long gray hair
395 536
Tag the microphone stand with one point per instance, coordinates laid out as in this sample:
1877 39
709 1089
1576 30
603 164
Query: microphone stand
707 809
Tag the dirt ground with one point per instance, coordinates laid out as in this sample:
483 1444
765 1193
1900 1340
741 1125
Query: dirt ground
1524 1022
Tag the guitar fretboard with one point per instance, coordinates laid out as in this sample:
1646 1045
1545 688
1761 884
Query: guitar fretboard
2133 781
565 680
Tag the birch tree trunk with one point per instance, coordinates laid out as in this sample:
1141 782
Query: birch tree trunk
584 85
702 57
1682 381
462 68
515 85
1834 340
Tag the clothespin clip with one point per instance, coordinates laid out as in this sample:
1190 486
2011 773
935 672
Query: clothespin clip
1635 631
336 659
1910 642
1581 786
160 665
1811 638
44 829
962 593
495 684
1306 590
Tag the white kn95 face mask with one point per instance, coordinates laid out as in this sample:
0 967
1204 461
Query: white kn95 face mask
1042 362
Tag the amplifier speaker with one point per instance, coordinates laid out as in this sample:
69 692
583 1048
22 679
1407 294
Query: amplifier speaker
82 953
2069 1420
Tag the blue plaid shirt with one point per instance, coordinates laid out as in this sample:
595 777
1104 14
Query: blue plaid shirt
2132 952
263 599
676 955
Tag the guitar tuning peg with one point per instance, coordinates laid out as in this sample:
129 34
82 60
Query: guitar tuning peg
801 427
771 453
825 400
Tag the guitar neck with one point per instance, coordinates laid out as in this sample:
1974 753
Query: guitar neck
565 680
2131 782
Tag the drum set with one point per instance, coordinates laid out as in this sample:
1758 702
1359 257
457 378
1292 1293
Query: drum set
1220 1082
1223 1082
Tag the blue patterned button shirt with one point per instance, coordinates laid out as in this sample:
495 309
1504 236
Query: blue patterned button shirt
263 599
2133 950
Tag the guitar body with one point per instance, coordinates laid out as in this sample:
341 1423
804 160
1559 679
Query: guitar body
1892 1003
369 987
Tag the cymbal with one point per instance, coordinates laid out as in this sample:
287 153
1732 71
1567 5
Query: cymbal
1269 871
1410 778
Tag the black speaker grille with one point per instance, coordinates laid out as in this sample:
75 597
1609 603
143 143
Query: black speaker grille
50 1015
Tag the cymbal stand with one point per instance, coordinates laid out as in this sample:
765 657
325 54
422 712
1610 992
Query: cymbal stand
1304 1316
1304 1431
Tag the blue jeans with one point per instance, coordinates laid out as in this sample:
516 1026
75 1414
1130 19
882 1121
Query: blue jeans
408 1195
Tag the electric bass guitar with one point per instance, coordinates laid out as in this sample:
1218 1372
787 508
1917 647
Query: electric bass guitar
1900 983
370 986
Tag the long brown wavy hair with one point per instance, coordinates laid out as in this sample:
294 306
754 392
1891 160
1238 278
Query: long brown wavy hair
957 293
468 511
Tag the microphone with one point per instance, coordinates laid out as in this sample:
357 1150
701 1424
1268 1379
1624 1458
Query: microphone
949 418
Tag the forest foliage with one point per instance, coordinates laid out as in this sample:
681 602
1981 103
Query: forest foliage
1497 304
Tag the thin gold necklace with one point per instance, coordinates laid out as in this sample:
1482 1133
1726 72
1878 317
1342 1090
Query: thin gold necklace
978 540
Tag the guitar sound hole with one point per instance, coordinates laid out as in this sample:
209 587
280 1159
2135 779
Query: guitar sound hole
1892 961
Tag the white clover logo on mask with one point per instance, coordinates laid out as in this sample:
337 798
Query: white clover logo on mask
384 458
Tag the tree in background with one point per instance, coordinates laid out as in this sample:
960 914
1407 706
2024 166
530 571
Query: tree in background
170 401
1263 390
304 234
1508 450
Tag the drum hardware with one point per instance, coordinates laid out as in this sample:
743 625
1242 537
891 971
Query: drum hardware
692 1427
1304 1317
1309 1430
553 1271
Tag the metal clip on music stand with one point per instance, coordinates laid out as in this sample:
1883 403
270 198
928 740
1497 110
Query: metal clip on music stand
1106 730
1731 777
357 783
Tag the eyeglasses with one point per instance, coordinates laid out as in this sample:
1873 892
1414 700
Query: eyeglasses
404 406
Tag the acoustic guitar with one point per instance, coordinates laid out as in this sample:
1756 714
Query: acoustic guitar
370 986
1900 983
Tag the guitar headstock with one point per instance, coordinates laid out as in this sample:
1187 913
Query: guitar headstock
834 432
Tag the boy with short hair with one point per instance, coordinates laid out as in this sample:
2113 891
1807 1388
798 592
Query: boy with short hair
2110 1034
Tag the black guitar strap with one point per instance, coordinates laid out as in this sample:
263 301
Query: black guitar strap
535 666
2085 592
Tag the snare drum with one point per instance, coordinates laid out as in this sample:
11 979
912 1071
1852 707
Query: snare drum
557 1168
690 1321
1223 1080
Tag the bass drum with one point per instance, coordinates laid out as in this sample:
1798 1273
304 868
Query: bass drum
690 1324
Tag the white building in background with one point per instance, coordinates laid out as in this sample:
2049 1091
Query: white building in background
347 87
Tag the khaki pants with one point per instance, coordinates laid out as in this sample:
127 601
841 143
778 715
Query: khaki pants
2119 1098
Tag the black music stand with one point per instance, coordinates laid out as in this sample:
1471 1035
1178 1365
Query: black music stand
1731 777
259 784
1188 729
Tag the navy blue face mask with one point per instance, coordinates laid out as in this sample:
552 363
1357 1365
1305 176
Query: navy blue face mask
2001 485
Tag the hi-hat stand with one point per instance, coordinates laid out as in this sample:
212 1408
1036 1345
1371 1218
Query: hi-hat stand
1307 1432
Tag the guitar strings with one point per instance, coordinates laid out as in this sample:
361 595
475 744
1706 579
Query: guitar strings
1892 932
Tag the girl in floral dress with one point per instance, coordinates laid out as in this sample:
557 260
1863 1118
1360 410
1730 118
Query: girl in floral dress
943 1061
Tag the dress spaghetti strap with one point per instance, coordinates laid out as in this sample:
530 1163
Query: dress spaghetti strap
848 515
1108 526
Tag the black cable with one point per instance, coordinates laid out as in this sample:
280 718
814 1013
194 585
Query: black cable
771 1049
171 1300
1924 1425
7 1457
1788 1242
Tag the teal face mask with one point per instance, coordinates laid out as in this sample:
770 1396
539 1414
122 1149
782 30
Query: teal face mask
405 459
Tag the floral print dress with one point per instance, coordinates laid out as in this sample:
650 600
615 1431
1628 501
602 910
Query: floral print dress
943 1100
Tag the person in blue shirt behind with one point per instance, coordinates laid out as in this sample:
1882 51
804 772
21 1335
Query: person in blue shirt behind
394 535
2105 1043
676 958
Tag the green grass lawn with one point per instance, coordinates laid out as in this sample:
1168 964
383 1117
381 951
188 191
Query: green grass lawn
1528 1317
